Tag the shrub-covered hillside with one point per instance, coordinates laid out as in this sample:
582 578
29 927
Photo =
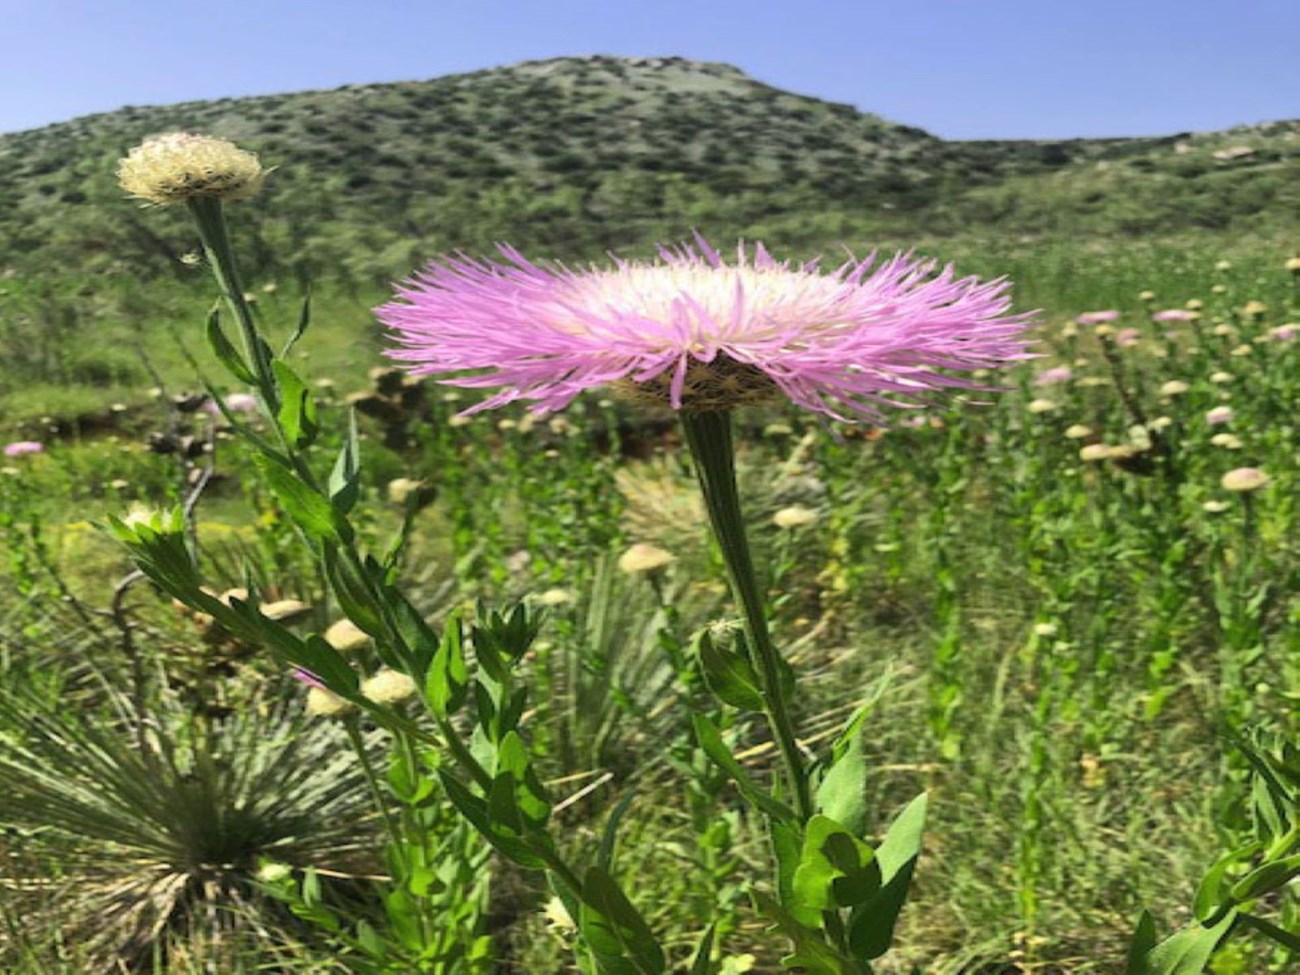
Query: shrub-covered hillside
581 155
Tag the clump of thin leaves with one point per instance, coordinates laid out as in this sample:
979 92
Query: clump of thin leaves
140 827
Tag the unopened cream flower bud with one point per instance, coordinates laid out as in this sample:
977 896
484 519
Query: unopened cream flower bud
1174 387
1254 309
795 516
283 610
388 686
1094 452
178 167
1160 423
1221 377
644 558
1077 431
554 597
1042 406
1227 441
1293 264
346 637
1045 629
1244 479
1215 507
1146 296
322 703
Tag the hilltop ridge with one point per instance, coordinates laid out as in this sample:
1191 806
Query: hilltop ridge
575 156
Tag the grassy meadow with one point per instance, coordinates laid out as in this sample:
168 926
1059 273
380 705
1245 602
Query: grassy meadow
1057 617
1056 648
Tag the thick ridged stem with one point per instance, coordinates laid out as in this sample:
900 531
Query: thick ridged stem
708 434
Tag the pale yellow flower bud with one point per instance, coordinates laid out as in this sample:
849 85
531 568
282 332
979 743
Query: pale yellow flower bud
388 687
178 166
326 704
795 516
555 597
644 558
1175 387
346 637
1077 431
1244 479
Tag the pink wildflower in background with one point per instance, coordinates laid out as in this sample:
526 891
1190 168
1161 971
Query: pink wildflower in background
1057 374
1173 315
1097 317
20 447
1128 337
236 403
1219 415
695 332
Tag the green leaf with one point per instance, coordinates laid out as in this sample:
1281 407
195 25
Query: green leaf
328 664
345 477
475 810
710 739
1265 878
448 677
871 928
225 352
353 591
702 959
842 793
728 675
1189 951
304 320
835 870
312 512
1140 945
613 928
812 955
605 852
531 800
297 414
1209 893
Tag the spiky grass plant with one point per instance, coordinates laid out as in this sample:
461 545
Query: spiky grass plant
127 847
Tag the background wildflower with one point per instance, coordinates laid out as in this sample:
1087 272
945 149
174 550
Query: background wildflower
1244 479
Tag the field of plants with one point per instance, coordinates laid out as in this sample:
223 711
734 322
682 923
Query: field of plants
469 693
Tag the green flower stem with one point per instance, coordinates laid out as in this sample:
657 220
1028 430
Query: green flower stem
350 724
211 221
708 434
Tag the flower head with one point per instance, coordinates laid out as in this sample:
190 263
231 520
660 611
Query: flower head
1219 415
179 166
1057 374
1097 317
644 558
1173 315
20 447
696 333
1244 479
388 687
795 516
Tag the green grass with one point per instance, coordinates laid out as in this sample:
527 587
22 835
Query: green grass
1060 643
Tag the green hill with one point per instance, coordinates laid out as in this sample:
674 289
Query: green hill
575 156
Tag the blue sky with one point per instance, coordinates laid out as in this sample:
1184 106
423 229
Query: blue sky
958 68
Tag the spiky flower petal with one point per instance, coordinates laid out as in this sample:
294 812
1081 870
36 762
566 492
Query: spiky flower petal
694 332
